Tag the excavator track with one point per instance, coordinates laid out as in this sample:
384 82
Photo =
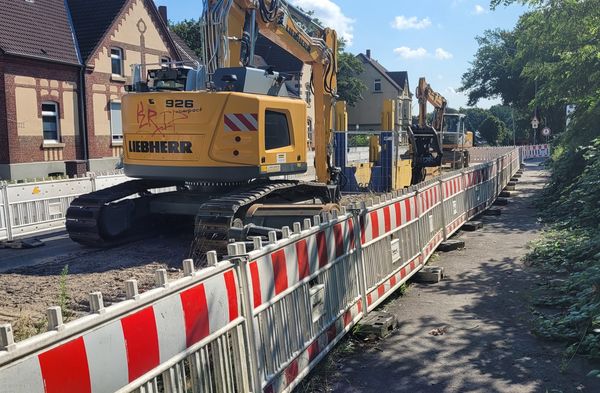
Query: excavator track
105 218
217 216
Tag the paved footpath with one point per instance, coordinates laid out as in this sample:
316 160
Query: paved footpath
484 303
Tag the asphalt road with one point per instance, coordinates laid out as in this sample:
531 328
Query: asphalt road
484 306
55 244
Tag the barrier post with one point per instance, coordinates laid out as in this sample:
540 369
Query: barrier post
240 259
498 177
356 211
92 178
444 223
7 213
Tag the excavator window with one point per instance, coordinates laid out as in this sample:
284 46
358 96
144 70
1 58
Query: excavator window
277 130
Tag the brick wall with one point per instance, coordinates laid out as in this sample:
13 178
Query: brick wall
4 152
27 149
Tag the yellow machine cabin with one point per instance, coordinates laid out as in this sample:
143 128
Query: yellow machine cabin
212 136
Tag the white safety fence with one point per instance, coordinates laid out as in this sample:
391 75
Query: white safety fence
37 207
263 318
535 151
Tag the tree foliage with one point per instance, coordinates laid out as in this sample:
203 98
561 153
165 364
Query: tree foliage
494 131
350 86
556 58
189 30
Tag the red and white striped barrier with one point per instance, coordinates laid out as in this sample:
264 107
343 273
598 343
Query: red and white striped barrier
303 293
119 352
535 151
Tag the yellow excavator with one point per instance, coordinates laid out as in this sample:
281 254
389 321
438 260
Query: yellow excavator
217 134
447 135
425 137
221 136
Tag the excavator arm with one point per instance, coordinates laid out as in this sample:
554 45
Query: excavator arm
426 94
273 19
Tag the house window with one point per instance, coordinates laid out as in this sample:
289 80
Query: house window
50 121
165 60
308 94
116 125
377 85
116 61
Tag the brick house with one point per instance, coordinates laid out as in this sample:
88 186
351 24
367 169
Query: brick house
381 84
63 68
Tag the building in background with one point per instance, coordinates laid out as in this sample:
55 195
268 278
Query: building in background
63 69
381 85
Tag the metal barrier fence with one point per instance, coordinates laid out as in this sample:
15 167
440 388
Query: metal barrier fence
535 151
261 319
38 207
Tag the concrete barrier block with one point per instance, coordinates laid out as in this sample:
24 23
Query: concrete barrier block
472 226
451 245
429 275
510 187
492 212
506 194
377 324
501 202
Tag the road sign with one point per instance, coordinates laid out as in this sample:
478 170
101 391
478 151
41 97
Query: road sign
546 131
535 123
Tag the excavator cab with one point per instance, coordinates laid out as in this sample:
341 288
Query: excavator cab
243 126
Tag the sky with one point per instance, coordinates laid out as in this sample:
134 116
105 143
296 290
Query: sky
430 38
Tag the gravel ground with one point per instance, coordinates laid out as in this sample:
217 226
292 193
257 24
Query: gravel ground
33 280
484 308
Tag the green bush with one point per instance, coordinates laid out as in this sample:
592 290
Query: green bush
571 250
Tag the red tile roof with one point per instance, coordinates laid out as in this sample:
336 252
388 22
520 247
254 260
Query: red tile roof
91 19
37 28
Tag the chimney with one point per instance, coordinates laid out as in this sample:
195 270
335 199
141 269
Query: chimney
368 53
162 10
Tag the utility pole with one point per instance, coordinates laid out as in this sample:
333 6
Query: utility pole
512 114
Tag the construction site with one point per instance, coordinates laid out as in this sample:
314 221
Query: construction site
260 234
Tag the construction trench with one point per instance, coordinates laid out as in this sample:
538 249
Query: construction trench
304 293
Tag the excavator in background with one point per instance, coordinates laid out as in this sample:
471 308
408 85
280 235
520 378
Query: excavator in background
217 139
449 131
456 141
425 137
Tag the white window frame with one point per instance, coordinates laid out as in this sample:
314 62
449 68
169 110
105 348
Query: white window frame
112 133
119 57
375 83
56 115
165 60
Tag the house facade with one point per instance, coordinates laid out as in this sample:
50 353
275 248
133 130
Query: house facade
381 85
63 70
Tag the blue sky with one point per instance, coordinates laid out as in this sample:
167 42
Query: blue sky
431 38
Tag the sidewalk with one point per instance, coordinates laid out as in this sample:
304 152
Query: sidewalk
484 305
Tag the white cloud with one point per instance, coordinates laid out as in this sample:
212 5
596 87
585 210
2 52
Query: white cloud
452 90
479 10
442 54
331 15
403 23
408 53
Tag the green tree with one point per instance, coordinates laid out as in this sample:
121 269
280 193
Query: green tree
350 87
474 117
190 31
494 131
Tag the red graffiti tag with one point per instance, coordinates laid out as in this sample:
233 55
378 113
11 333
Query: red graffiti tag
158 122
